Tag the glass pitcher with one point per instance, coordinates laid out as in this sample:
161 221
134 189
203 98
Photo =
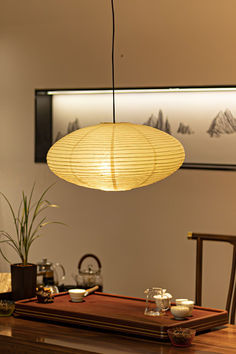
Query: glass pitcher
52 273
154 302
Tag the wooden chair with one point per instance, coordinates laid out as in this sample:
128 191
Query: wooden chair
231 297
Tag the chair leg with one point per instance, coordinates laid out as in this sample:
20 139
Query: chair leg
232 315
232 279
198 287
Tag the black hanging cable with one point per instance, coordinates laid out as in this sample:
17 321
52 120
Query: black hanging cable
112 60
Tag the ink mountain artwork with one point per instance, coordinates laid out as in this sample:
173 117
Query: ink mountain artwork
71 126
184 129
223 123
159 122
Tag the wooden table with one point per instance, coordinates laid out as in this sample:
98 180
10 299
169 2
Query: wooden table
20 336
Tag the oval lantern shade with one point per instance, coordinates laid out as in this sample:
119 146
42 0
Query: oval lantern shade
115 156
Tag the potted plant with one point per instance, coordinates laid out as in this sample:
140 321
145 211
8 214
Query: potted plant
28 225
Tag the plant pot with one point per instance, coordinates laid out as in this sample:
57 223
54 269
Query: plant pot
23 280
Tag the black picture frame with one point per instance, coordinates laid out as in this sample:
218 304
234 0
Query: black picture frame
44 129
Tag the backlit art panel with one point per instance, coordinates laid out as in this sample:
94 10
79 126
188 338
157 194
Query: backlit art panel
202 119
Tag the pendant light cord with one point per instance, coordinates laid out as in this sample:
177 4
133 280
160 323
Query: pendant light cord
112 61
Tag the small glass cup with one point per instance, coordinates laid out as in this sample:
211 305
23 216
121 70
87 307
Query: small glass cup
181 337
154 302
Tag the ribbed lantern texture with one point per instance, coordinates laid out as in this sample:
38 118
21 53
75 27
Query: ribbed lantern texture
115 156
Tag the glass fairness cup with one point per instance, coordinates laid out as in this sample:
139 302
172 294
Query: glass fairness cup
154 302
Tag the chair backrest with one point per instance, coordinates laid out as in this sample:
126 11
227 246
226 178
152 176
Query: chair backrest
231 297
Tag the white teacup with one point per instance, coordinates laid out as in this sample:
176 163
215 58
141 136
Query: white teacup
179 312
179 301
190 305
77 295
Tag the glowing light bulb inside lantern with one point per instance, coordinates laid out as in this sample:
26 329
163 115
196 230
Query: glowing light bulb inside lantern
105 168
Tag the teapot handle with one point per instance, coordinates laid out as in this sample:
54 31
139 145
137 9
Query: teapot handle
92 256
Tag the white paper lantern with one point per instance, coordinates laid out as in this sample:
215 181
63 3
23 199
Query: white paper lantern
115 156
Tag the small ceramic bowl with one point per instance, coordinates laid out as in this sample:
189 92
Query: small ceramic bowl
179 312
77 295
190 305
181 337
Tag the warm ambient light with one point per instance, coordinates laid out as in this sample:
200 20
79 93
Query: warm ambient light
115 156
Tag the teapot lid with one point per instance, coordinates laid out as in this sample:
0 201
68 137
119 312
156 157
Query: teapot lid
44 263
89 270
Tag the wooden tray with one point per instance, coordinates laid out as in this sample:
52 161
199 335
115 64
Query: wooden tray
117 313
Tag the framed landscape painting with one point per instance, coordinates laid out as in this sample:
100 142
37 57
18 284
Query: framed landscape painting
203 119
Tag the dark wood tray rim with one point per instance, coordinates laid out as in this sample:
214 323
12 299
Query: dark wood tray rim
121 326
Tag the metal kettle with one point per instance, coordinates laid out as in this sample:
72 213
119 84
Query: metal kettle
52 273
89 277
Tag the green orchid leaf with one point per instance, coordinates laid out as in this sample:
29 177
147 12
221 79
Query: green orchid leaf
26 223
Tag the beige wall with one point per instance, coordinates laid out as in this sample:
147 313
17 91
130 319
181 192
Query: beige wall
140 235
